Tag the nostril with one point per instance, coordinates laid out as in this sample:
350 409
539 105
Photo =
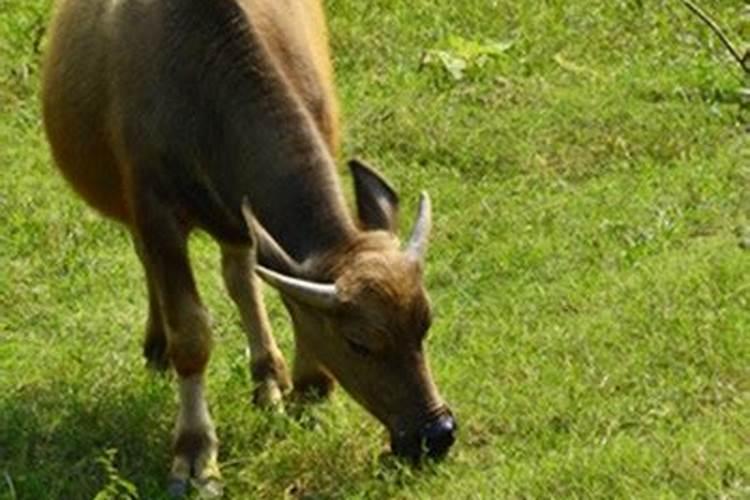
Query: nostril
440 435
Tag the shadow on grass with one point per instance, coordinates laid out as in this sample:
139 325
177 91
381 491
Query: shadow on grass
61 440
55 440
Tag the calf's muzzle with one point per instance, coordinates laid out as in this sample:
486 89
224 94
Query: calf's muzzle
433 440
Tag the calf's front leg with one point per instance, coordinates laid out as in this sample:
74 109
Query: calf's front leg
311 381
267 366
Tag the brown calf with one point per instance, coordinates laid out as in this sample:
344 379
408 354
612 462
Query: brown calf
167 115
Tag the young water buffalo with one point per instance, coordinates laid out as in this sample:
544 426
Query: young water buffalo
166 115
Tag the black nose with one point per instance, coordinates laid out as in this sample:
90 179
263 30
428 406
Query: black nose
434 439
439 435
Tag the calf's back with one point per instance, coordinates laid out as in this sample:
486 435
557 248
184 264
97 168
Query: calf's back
213 99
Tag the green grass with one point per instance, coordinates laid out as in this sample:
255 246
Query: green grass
591 186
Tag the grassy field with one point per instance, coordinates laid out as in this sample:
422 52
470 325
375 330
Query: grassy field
589 164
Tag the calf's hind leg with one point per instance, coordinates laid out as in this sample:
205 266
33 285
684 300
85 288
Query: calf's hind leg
163 247
155 340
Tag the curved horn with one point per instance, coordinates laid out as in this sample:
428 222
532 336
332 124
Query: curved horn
420 234
318 295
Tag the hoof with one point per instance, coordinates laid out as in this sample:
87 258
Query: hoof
177 488
195 465
210 488
268 395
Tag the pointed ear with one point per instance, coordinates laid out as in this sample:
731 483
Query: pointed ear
268 252
377 202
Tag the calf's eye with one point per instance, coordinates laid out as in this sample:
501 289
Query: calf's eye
358 348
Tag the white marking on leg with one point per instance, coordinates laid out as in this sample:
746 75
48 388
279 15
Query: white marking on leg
193 407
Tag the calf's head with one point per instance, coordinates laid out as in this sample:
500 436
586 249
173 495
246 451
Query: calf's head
367 327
